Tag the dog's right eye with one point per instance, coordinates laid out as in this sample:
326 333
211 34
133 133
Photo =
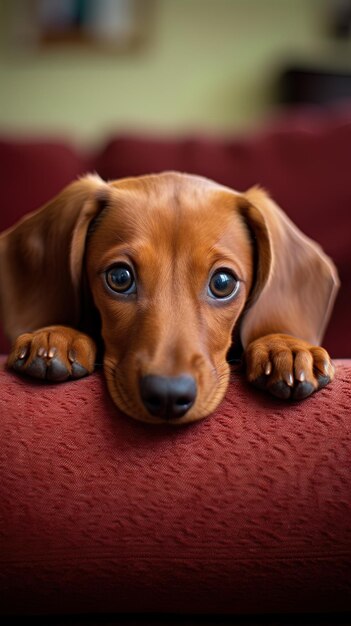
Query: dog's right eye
223 285
120 278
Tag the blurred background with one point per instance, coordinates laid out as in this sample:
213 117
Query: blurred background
85 68
242 91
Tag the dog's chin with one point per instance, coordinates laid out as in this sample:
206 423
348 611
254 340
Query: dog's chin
203 407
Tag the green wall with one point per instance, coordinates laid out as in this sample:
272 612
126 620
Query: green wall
207 65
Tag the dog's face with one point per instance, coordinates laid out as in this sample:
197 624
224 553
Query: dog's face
170 267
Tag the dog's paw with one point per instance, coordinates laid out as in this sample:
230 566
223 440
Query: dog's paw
287 367
54 353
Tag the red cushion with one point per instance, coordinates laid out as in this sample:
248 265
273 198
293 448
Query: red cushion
32 172
248 510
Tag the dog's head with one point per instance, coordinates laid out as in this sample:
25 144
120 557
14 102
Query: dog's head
173 262
170 266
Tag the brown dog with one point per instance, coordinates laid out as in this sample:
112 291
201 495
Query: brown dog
169 270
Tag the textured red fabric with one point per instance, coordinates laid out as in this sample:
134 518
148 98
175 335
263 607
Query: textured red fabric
248 510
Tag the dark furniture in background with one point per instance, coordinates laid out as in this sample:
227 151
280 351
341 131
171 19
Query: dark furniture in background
312 85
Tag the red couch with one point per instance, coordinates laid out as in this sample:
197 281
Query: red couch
248 511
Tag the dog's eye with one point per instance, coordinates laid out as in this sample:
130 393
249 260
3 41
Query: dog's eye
120 278
223 284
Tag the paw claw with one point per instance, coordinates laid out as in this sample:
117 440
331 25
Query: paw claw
72 356
268 368
23 353
289 380
52 352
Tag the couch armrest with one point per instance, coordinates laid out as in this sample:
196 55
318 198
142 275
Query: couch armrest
248 510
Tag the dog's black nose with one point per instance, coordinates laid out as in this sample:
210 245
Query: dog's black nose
168 397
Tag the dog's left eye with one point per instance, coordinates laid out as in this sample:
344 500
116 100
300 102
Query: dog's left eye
120 278
223 284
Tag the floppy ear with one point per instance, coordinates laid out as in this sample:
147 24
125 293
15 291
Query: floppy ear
296 282
41 260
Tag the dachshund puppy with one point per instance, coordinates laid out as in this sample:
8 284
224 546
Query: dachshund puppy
169 271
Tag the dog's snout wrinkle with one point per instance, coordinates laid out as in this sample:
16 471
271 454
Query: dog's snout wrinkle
168 397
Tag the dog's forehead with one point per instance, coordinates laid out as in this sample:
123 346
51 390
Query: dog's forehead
166 181
177 221
170 202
